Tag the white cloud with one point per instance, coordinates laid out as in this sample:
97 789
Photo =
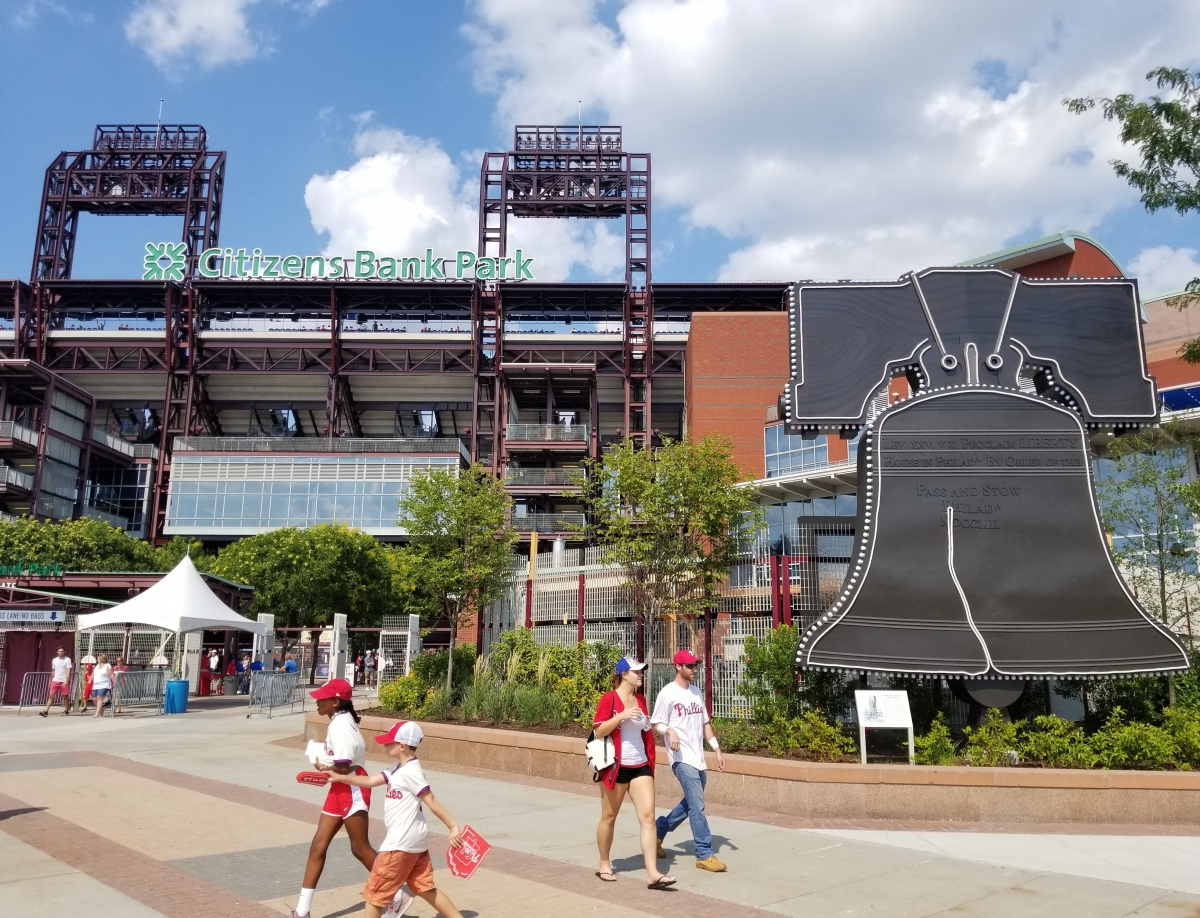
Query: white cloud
856 139
1162 269
405 194
214 32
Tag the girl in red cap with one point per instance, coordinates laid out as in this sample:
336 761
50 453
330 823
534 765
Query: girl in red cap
345 805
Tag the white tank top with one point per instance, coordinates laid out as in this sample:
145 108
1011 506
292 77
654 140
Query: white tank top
633 747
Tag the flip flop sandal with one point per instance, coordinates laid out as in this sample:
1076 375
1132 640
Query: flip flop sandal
606 876
662 883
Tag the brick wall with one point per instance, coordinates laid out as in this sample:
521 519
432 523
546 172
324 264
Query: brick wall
737 366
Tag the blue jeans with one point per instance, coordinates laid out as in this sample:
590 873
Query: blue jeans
691 807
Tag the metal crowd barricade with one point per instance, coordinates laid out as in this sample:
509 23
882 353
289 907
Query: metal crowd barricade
132 689
3 683
269 691
35 689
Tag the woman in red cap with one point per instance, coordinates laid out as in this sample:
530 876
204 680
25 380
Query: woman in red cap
345 805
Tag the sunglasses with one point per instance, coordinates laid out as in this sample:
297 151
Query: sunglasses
689 665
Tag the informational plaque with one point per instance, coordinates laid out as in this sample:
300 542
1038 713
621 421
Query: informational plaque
884 710
979 547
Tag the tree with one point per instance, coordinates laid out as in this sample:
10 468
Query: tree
1149 507
303 576
1166 132
86 544
460 543
674 520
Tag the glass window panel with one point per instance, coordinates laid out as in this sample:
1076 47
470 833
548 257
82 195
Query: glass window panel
822 506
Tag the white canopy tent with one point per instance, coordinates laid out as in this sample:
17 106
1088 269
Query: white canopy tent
180 602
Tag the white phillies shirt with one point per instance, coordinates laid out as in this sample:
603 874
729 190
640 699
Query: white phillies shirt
61 667
343 742
682 709
402 812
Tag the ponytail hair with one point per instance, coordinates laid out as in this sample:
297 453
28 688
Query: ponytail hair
345 704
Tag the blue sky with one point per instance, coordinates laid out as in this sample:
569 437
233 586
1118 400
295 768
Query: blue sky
790 139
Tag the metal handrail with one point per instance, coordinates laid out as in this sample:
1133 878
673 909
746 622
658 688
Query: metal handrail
566 477
119 444
9 475
547 432
11 430
320 445
550 522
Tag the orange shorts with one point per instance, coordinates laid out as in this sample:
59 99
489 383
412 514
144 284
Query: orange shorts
392 870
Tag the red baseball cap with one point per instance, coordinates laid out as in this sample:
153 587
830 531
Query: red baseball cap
403 731
686 658
334 688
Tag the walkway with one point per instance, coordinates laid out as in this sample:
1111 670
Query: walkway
200 816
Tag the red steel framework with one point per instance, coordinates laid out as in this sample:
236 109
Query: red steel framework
576 171
131 169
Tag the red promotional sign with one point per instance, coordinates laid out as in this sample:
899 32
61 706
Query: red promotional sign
315 778
464 861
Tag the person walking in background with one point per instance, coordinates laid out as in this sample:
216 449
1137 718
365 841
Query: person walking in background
102 682
60 683
289 665
622 714
344 805
404 855
119 667
681 719
87 687
369 669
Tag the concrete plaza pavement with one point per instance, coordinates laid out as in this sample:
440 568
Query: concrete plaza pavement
199 815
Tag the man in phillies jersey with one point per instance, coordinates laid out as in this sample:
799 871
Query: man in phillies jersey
681 718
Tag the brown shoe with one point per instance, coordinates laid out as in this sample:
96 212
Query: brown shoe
712 865
658 850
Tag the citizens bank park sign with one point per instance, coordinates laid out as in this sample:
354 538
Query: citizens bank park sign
167 261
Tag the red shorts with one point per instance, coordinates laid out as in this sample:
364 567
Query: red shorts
345 799
57 688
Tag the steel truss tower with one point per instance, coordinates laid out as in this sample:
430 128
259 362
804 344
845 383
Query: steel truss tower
570 171
131 169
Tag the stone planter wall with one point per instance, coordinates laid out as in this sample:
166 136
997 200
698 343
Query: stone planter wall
894 792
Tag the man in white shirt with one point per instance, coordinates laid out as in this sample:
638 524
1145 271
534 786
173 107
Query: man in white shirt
60 682
681 718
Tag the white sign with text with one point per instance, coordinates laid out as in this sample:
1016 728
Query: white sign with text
882 710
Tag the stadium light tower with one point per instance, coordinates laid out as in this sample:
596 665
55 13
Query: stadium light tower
158 169
573 170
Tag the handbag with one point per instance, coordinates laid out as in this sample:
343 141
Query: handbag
601 754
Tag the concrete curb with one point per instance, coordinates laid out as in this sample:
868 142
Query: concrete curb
842 791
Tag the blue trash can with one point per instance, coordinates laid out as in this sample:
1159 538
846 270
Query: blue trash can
176 698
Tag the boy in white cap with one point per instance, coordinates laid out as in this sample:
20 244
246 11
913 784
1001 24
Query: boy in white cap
404 855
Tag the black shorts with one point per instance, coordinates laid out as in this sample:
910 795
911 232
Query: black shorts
625 775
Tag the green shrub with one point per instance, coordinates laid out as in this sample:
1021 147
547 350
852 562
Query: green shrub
1187 685
770 676
937 746
536 705
737 735
1122 744
476 697
827 742
991 742
405 695
1054 742
1184 727
778 736
436 706
431 667
1142 699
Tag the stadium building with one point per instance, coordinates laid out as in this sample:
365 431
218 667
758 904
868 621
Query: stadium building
232 390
